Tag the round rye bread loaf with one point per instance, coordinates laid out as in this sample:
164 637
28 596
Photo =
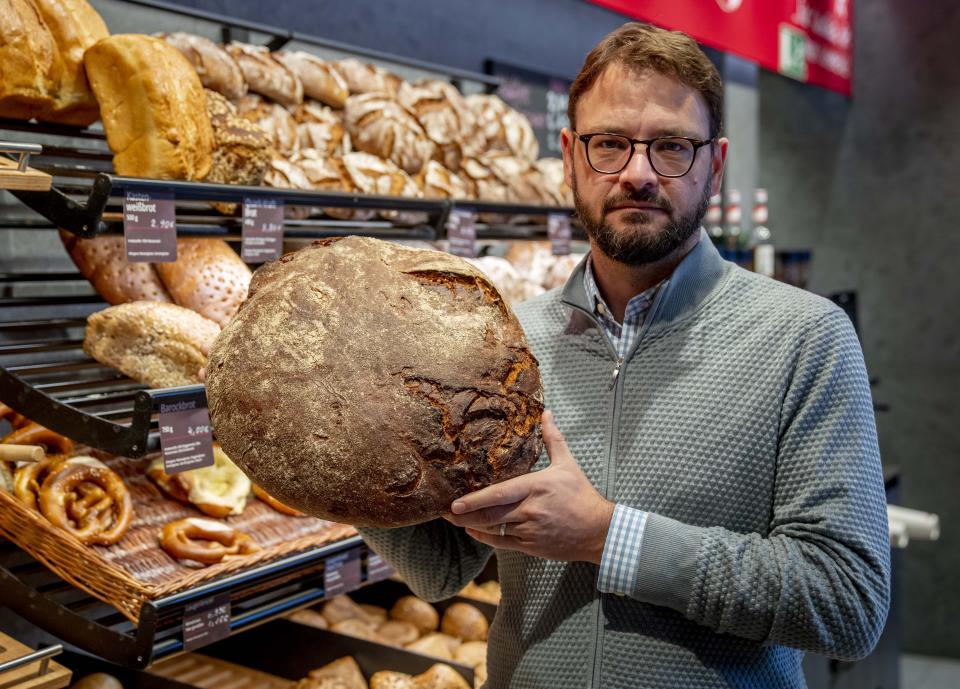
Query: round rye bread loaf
372 384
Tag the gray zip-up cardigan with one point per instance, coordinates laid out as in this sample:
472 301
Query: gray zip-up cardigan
742 422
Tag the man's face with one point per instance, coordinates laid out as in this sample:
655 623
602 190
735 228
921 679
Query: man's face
636 216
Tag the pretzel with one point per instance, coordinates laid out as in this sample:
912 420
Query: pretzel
28 478
89 501
274 503
205 541
15 418
33 433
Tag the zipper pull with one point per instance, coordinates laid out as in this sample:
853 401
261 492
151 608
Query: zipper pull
616 373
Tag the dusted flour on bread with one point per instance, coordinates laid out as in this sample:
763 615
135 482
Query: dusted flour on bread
373 384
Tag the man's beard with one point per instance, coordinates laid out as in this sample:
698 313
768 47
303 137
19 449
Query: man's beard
630 246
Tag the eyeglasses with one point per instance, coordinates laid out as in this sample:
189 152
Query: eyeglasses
669 156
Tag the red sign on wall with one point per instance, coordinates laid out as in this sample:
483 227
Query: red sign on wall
808 40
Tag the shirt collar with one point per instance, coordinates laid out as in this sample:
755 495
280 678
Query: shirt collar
637 307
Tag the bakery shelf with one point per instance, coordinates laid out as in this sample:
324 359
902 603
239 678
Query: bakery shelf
257 595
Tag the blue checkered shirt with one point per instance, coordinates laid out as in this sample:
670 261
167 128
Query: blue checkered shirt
621 552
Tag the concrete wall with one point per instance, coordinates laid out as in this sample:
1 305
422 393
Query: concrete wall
870 184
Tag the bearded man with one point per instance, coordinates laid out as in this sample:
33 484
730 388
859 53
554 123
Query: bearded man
714 505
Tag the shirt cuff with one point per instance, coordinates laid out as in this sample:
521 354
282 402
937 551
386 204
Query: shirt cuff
621 551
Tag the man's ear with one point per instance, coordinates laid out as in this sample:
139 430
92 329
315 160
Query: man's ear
717 161
567 141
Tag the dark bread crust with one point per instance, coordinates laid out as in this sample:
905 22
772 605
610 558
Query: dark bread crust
373 384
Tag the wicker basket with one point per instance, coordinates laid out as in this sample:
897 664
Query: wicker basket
136 569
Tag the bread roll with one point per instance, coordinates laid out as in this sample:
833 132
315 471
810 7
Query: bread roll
160 345
98 680
440 676
388 679
103 261
272 118
216 69
344 669
374 612
208 277
379 125
321 79
436 181
471 653
265 74
417 612
465 622
153 107
443 367
75 26
343 608
309 617
356 627
30 64
397 633
322 683
432 645
242 150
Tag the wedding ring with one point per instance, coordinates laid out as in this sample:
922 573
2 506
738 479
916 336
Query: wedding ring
503 530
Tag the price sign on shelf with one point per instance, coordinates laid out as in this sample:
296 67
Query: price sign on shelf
462 233
150 226
377 568
186 439
262 230
341 573
206 621
558 229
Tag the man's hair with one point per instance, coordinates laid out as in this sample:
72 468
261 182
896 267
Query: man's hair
638 46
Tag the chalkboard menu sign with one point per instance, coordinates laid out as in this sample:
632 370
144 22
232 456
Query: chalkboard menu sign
541 97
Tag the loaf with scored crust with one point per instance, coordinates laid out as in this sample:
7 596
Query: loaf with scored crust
372 384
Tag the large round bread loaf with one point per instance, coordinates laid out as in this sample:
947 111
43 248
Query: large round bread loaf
373 384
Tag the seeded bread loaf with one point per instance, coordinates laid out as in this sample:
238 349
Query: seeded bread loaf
373 384
207 277
104 263
160 345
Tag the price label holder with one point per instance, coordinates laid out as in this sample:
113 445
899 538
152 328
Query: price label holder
206 621
262 230
186 440
150 226
558 230
341 573
377 568
462 233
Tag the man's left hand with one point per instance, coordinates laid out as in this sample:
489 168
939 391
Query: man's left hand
555 514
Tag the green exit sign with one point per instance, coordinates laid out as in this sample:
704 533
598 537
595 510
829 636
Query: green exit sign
793 52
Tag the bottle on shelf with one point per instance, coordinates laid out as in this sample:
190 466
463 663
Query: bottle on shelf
714 220
761 243
732 218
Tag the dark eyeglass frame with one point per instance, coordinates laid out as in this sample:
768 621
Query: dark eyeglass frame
697 145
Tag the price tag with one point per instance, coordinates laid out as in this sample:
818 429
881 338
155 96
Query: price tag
150 227
341 573
206 621
377 568
262 230
558 229
185 436
462 233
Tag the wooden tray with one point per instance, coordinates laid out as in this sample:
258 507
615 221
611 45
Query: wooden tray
204 672
136 569
26 677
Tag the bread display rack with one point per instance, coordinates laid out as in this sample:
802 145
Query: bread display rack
45 375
